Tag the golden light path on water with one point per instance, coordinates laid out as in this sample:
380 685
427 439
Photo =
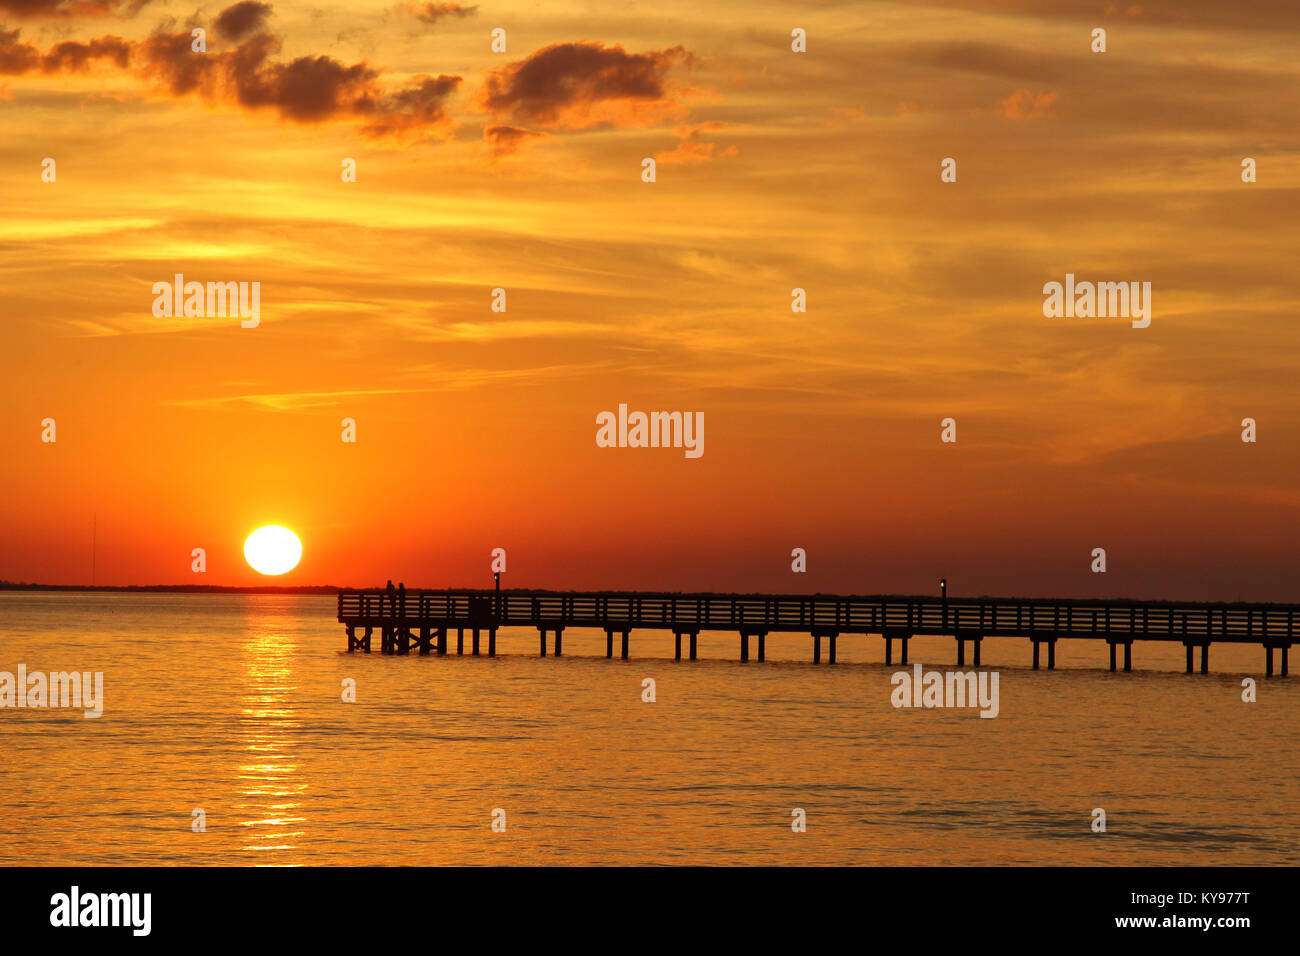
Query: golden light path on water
269 778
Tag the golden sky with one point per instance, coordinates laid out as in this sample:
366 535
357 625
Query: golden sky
775 170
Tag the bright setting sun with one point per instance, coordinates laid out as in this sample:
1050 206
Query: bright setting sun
272 550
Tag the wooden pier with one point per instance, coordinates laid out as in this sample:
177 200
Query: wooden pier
421 621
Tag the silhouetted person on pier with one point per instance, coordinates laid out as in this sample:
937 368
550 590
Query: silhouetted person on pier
401 596
392 596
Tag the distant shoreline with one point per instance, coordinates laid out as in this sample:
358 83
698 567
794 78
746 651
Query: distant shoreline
180 588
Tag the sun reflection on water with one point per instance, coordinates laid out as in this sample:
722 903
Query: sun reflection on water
268 780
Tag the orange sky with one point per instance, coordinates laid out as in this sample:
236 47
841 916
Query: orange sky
776 170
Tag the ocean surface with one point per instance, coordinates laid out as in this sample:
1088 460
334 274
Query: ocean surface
232 704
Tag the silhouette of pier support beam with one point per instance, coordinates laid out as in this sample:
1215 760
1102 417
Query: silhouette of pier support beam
1205 655
626 632
609 643
474 647
1128 652
744 644
677 641
1051 652
1268 658
976 640
442 642
460 640
559 640
363 643
492 642
831 637
890 636
694 636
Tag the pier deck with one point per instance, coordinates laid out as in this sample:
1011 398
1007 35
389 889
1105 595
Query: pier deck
420 620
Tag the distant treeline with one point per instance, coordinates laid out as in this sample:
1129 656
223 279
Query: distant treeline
178 588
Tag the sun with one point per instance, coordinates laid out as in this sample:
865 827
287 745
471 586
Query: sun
273 550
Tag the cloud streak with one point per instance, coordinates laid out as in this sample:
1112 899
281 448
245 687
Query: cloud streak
70 9
432 13
573 86
307 89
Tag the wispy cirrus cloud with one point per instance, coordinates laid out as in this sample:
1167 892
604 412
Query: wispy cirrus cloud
432 13
1023 104
507 140
692 149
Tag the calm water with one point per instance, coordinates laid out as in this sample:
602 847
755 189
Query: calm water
233 704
